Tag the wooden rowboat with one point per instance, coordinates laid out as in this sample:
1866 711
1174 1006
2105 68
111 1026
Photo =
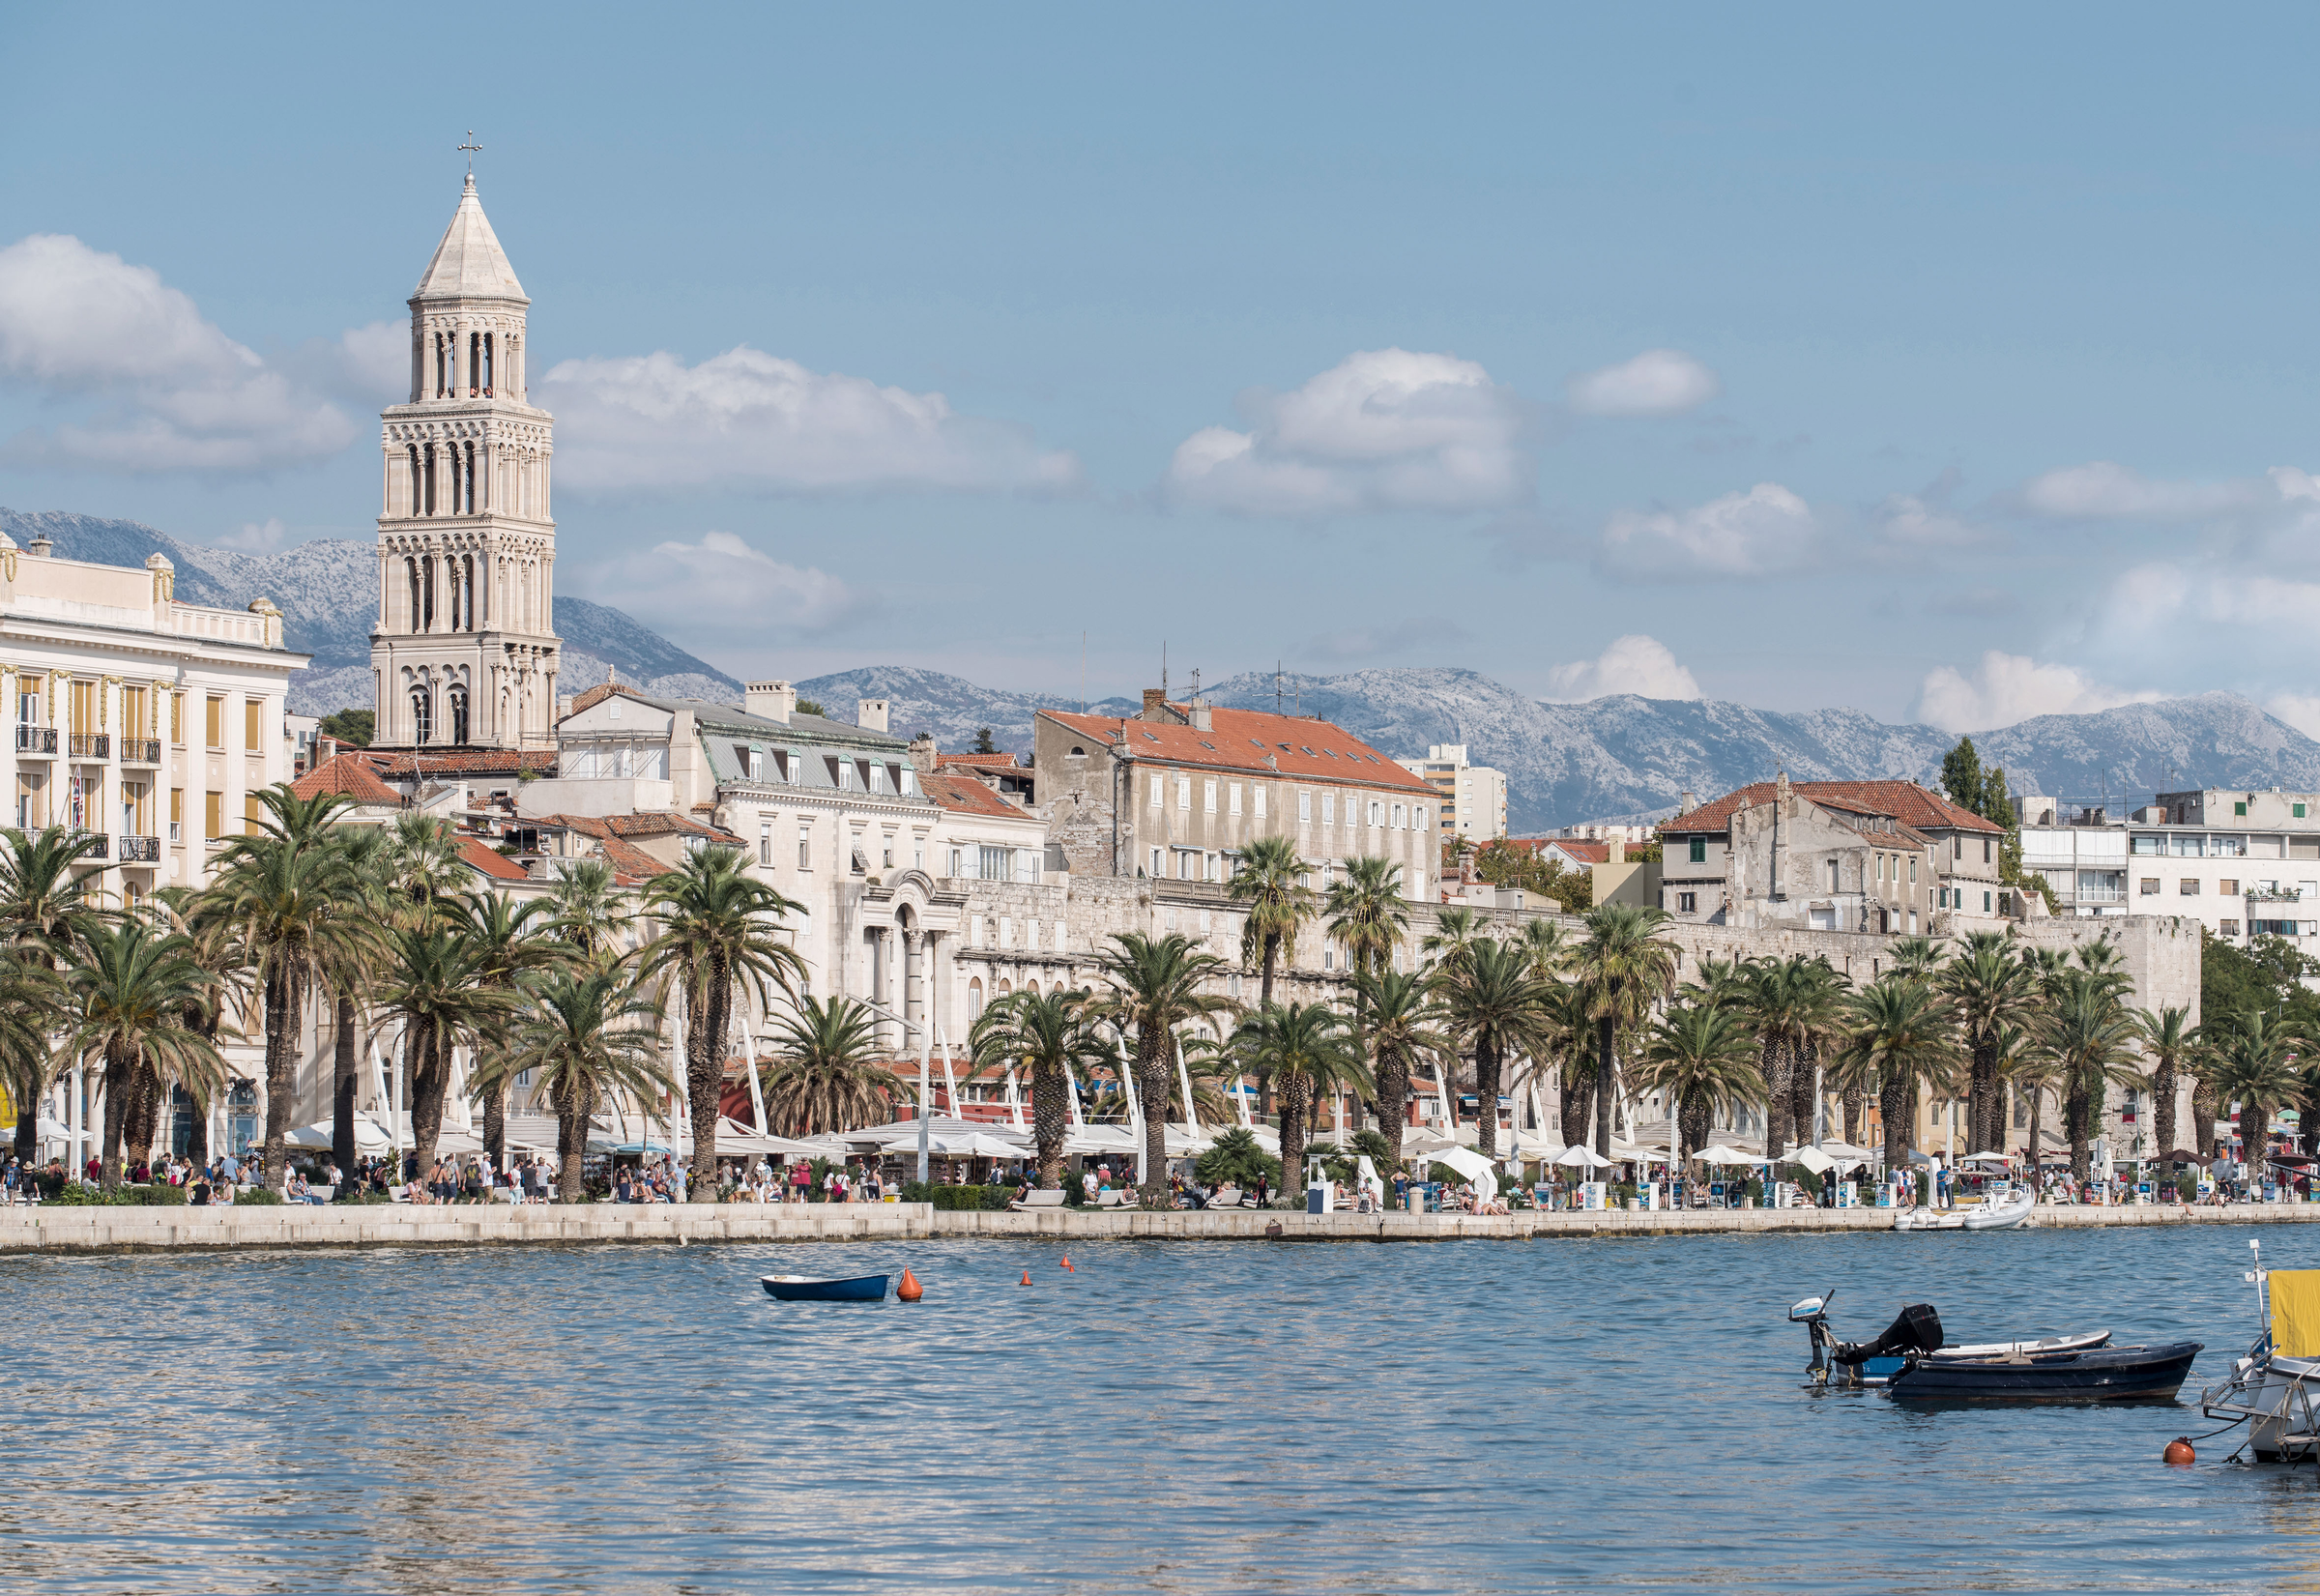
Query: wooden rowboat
812 1289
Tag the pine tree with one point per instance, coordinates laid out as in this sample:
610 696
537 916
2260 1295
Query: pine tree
1961 775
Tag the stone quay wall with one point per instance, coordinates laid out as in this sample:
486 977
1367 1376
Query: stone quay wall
108 1230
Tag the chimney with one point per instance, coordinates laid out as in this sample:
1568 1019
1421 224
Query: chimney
41 547
1686 803
770 700
1614 852
870 713
563 705
925 752
1154 698
1200 714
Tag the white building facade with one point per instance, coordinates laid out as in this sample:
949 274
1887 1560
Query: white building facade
2243 863
1473 797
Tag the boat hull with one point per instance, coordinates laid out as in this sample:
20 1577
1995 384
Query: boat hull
2279 1398
800 1288
2111 1374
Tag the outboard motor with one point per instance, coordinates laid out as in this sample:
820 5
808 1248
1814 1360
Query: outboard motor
1918 1330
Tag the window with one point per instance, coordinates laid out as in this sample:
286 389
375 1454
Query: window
177 814
2227 847
2228 928
1913 869
955 861
28 701
805 845
1957 848
2296 810
1208 796
1984 849
213 812
1305 807
1259 794
1159 783
2184 847
1158 869
2189 889
217 727
2149 886
252 812
1880 867
1699 850
1007 931
765 843
177 718
1234 800
1984 903
1398 821
2239 808
253 710
1686 903
2149 847
1377 813
1184 794
2228 888
994 863
1833 876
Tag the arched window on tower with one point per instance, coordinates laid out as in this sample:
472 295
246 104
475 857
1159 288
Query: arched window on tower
411 619
417 486
467 477
457 702
488 363
426 593
427 470
467 583
423 718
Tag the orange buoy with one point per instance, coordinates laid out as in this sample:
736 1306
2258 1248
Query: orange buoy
1027 1277
1067 1263
2179 1451
909 1290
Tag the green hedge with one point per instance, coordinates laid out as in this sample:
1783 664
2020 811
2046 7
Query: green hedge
72 1195
958 1199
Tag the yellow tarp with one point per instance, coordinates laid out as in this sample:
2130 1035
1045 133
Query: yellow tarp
2296 1312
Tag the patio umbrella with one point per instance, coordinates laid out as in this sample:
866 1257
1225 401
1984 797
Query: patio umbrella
1577 1155
1729 1155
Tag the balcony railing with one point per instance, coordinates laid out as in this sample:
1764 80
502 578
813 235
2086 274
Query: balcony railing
140 750
100 846
2275 894
92 745
35 739
140 850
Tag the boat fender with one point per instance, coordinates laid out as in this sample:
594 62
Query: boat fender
2179 1451
909 1290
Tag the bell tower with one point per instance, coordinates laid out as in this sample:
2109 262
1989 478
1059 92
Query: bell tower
464 653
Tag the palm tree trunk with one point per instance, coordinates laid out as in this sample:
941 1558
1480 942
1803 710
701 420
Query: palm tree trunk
495 1125
282 996
28 1119
1393 1093
1050 1121
1296 1092
571 1144
424 1057
1856 1108
2162 1107
705 1069
1779 1091
345 1076
1486 1097
197 1142
1578 1109
2038 1114
119 1087
1983 1130
1893 1108
1153 1093
2075 1116
2205 1111
1804 1093
1604 1079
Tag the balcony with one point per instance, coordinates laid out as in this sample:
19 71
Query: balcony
100 846
140 850
35 739
2275 894
140 750
92 745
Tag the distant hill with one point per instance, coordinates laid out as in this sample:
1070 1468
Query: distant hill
328 593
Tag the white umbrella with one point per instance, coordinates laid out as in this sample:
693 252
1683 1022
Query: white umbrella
1813 1159
1729 1155
1580 1156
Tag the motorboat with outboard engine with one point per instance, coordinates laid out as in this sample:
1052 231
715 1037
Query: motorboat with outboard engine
1909 1361
2275 1388
2001 1211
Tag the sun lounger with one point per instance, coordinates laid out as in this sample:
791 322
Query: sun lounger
1052 1197
1113 1199
1227 1197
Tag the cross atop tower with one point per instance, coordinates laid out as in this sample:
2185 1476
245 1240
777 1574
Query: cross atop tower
473 150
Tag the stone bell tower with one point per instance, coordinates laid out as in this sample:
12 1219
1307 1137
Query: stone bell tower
464 654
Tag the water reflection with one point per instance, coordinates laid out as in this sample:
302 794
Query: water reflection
1477 1417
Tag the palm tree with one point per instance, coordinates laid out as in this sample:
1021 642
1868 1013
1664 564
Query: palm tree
1702 1059
46 913
590 909
287 895
1455 933
1366 913
1900 1036
1571 1019
1919 958
591 1030
720 939
2256 1063
436 984
1050 1038
369 852
1155 985
426 876
30 994
129 994
1496 1003
2028 1068
510 939
1793 1004
1399 1017
2092 1038
825 1072
1626 969
1544 943
1271 881
2170 1041
1988 990
1302 1046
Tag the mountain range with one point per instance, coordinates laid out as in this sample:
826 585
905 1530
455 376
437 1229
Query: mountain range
1618 758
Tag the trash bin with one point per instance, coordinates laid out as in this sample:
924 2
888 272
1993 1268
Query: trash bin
1317 1199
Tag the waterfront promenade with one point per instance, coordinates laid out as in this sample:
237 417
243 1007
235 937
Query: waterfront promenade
79 1230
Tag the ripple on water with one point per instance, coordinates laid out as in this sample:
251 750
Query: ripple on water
1168 1417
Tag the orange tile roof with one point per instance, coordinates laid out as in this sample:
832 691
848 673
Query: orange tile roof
1913 807
631 862
472 761
1245 739
349 774
485 861
966 796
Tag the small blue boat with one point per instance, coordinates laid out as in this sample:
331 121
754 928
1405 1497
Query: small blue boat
811 1288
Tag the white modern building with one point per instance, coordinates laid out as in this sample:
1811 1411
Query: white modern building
1474 805
2241 863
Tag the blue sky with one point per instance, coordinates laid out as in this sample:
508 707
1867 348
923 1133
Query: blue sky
1953 366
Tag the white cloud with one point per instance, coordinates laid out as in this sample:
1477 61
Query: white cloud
1909 523
2106 490
1383 430
747 417
2005 688
254 537
172 392
2299 712
1631 664
1765 529
722 581
1658 382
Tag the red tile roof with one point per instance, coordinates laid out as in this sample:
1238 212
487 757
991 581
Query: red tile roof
481 857
352 775
1245 739
1912 806
982 762
966 796
647 823
629 862
472 762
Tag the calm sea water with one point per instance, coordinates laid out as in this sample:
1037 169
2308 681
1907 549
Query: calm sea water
1188 1417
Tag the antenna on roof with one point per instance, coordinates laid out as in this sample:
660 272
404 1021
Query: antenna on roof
1195 681
1276 686
1164 670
